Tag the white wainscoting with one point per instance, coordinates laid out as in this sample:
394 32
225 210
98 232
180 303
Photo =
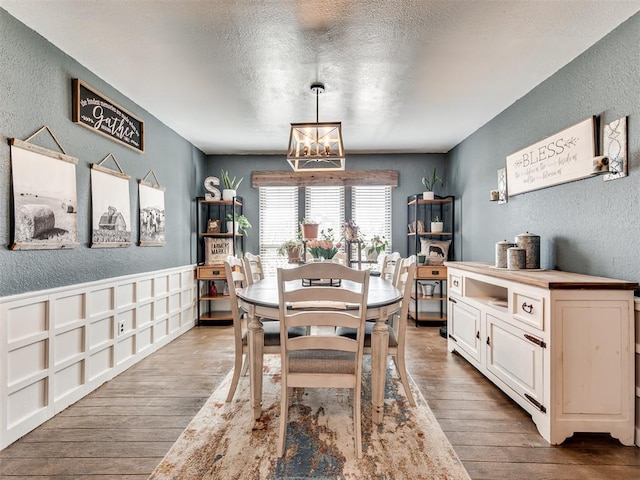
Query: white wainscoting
637 318
58 345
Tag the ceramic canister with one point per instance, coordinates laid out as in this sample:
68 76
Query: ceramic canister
531 244
516 258
501 253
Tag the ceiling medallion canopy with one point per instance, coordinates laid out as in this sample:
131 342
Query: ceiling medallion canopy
316 146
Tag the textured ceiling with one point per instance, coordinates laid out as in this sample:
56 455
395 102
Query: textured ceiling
401 75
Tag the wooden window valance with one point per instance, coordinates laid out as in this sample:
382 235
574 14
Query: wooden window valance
346 178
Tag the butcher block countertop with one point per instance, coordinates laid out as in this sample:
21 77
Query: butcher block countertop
549 279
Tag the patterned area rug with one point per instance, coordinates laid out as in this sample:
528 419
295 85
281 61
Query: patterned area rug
224 442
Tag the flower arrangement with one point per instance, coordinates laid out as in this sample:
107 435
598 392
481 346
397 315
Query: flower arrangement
325 247
351 232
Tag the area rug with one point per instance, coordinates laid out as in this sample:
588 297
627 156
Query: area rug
223 441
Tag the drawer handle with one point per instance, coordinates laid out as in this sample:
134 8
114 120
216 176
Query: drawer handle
435 272
215 272
478 334
452 300
527 307
489 341
456 283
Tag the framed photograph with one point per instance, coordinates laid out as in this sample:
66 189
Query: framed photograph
217 249
44 198
152 220
111 225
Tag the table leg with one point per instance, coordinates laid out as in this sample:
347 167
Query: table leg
379 350
255 342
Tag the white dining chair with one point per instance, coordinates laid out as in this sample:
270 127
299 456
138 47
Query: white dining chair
253 268
397 325
389 262
236 278
321 359
340 257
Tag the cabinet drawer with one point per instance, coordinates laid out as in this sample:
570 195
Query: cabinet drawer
455 283
529 309
214 272
427 271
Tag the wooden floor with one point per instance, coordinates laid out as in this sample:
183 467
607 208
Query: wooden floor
123 429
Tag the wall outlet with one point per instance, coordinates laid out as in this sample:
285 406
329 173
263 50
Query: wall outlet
120 328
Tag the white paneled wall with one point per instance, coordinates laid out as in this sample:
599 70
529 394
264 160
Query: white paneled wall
58 345
637 318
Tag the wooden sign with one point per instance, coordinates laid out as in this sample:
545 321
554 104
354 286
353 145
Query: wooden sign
560 158
97 112
217 250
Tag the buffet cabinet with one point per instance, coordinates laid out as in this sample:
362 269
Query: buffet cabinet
559 344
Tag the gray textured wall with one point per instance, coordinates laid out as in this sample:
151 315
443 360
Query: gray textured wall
35 90
410 168
587 226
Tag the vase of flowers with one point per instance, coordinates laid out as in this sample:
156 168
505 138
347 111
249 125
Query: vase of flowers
325 247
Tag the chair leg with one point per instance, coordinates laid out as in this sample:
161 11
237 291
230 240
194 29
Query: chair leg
357 424
236 376
245 365
284 408
404 378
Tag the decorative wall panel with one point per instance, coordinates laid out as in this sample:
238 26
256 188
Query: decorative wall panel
58 345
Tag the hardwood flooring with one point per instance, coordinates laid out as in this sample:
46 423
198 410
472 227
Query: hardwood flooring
124 428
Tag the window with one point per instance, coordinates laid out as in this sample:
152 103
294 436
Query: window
326 206
278 223
370 209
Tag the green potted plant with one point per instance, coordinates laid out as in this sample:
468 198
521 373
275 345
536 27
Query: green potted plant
309 228
376 246
230 185
422 258
240 221
437 225
430 182
292 249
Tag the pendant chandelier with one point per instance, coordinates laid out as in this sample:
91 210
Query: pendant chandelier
315 147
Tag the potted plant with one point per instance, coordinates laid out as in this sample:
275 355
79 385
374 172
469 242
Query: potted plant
230 186
376 246
292 249
240 221
437 225
430 182
309 228
422 258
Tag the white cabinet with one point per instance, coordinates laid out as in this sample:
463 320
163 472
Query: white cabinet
559 344
464 328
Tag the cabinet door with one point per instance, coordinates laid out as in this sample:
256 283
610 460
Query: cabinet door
464 328
517 358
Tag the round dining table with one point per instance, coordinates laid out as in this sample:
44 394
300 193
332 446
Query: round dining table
260 300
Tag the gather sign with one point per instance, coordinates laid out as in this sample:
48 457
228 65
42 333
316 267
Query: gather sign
97 112
563 157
